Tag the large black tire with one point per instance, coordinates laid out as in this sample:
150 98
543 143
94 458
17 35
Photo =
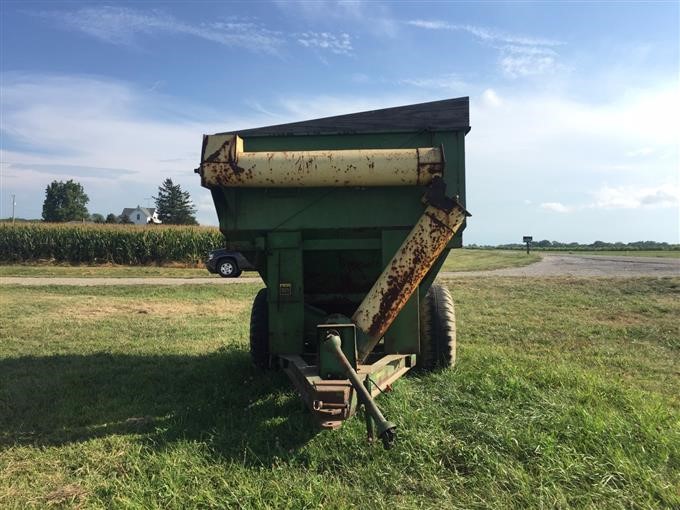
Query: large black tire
259 331
437 329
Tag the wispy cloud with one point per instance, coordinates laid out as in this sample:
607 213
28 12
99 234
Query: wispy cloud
624 197
446 82
338 44
556 207
632 197
519 55
124 26
105 134
641 152
484 33
373 18
72 170
516 60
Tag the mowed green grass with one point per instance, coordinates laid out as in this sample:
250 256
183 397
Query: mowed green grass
481 260
103 271
458 260
566 394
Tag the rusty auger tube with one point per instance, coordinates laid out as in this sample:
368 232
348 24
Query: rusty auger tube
403 274
231 166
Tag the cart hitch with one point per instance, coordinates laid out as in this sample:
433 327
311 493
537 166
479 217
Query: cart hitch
387 431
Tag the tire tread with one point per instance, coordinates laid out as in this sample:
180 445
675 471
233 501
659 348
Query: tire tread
437 329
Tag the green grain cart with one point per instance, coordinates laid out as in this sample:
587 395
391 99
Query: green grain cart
347 219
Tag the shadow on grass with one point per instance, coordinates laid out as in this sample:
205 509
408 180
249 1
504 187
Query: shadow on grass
218 399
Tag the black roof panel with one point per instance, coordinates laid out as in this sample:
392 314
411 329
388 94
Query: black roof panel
445 115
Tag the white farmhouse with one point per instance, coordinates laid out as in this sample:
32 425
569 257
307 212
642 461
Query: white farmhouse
141 215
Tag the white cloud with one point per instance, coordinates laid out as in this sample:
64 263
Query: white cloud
553 148
624 197
484 33
338 44
70 170
556 207
123 26
490 98
528 50
430 24
526 65
100 132
373 18
643 151
519 55
446 81
633 197
583 136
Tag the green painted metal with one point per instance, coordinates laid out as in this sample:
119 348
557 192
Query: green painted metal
329 366
286 294
319 250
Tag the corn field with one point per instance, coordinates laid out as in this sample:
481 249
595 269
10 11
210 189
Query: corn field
101 243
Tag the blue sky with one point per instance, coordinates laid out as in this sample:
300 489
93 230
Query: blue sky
575 107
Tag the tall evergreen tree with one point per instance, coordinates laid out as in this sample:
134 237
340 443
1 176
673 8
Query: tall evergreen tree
65 201
174 206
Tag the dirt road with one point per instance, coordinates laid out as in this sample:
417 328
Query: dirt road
587 266
550 265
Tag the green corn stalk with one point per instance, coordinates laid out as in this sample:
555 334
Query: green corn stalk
98 244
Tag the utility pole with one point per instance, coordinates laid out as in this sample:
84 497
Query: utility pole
14 203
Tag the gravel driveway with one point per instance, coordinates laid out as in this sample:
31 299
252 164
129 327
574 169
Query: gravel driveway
586 266
550 265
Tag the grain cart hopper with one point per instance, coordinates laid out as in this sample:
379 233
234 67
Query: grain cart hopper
347 219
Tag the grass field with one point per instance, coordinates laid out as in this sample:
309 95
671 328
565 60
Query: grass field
458 260
104 271
566 394
482 260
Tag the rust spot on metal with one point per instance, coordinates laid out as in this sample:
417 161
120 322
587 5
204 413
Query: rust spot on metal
404 273
220 152
231 166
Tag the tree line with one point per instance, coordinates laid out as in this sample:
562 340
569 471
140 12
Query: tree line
67 201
